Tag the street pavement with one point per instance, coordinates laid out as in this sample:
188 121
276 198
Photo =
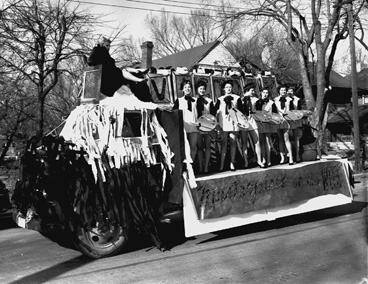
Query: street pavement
326 246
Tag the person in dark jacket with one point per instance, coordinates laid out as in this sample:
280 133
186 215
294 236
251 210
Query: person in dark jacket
112 77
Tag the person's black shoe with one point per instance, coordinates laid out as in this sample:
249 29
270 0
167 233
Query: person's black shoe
142 81
145 71
262 166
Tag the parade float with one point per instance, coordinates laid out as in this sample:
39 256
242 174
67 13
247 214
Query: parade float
118 164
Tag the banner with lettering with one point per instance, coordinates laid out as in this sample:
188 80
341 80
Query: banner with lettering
256 190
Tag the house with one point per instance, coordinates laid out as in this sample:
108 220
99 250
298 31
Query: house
211 62
362 84
341 90
340 118
339 128
210 56
213 58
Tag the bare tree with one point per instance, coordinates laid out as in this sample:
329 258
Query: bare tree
16 110
128 51
359 26
265 46
63 98
172 34
38 38
310 29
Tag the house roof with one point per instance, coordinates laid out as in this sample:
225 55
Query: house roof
338 81
362 79
343 113
187 58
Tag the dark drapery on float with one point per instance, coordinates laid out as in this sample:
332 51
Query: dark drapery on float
70 188
56 174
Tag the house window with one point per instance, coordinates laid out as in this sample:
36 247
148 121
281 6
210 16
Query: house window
345 138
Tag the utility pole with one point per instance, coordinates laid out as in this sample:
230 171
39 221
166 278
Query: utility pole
354 90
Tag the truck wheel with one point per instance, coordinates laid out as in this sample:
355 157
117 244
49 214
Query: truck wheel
103 240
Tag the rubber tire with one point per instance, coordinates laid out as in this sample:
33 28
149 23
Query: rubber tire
116 243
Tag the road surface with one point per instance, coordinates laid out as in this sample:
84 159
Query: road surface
327 246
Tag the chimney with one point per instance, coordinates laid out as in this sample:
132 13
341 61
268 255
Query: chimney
146 47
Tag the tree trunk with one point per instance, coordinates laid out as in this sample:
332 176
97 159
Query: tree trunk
324 147
41 117
307 88
9 141
321 90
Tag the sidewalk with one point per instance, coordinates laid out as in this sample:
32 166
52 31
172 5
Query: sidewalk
361 178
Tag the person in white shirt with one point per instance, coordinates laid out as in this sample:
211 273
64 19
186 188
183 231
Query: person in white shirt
246 105
188 104
295 103
230 129
265 129
281 102
204 106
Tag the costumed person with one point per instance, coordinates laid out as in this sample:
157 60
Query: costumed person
188 104
245 105
265 129
204 106
295 103
112 77
230 129
283 133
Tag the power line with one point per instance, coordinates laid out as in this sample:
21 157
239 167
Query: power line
171 5
160 4
226 15
176 6
144 9
127 7
205 5
211 5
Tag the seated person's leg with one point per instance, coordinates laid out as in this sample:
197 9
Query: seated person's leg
129 76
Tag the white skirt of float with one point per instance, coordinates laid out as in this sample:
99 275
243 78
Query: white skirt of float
195 225
124 98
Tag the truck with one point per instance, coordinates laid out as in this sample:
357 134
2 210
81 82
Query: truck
120 168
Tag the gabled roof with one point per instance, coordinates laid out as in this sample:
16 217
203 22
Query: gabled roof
338 81
187 58
362 79
343 113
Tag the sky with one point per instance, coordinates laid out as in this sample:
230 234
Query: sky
133 12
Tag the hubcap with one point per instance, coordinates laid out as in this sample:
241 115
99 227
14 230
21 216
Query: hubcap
103 234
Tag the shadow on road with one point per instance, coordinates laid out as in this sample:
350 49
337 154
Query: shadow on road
6 221
309 217
177 238
54 271
171 235
175 234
